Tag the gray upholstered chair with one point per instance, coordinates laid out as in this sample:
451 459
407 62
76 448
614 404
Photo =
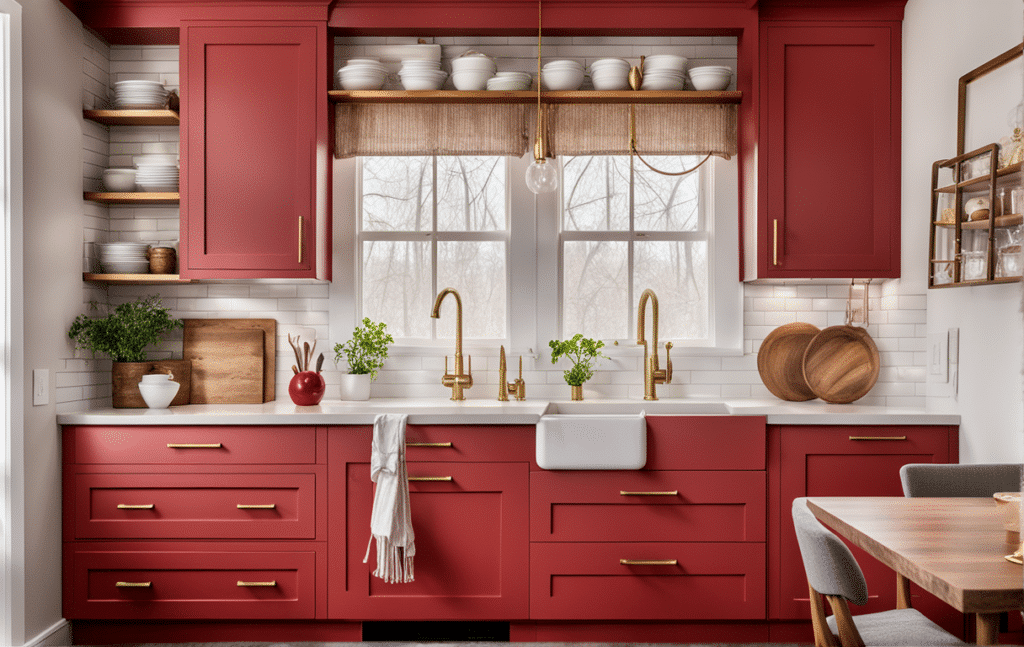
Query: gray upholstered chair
833 571
937 479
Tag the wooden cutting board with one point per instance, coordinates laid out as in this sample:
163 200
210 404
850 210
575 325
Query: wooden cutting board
269 328
780 361
841 364
227 364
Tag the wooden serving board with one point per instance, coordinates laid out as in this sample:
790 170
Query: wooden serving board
227 364
841 364
780 361
269 328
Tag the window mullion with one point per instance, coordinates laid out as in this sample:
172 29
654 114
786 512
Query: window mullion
629 252
433 242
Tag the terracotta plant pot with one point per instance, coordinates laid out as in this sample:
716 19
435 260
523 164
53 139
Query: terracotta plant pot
355 387
307 388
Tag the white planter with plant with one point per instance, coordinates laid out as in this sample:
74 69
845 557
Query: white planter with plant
365 354
583 354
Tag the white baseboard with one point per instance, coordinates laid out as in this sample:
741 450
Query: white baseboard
57 634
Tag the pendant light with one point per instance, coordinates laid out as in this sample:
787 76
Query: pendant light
542 174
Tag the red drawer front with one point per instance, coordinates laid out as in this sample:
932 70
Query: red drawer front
706 443
591 506
447 443
196 445
192 506
587 582
192 585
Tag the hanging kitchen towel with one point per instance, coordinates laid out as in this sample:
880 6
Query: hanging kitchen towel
391 519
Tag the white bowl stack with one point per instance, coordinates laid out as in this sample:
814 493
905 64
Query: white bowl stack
562 75
124 258
472 70
157 173
610 74
711 77
420 74
362 74
139 95
513 81
119 180
663 72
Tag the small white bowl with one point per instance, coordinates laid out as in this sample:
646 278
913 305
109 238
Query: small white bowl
471 80
709 80
476 62
119 180
361 82
664 62
561 79
158 390
423 82
610 80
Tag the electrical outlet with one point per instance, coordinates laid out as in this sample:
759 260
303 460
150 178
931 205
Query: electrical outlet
40 386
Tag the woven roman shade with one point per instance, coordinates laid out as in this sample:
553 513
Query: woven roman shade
507 129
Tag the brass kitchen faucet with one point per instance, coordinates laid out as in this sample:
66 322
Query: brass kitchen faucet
458 380
516 388
652 374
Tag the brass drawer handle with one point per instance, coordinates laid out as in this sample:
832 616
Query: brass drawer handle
649 562
775 242
270 583
194 445
301 236
430 478
140 506
628 493
448 444
134 585
256 506
878 437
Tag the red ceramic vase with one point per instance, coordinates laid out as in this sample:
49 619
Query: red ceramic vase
307 388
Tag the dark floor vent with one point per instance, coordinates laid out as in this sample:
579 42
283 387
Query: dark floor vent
435 631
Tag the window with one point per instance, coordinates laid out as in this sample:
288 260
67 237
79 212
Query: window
625 228
427 223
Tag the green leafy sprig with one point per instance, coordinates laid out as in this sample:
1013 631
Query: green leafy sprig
367 349
125 333
583 354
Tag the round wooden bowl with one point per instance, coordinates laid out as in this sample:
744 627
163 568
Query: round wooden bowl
780 361
841 364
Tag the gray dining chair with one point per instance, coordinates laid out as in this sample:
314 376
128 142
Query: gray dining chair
956 480
833 571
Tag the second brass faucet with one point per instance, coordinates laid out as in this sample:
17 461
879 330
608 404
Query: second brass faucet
652 374
459 380
516 388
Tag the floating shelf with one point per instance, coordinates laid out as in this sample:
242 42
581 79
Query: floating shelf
980 184
1007 279
133 117
1001 221
527 96
132 198
134 279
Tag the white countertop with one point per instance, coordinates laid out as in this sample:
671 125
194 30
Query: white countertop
491 412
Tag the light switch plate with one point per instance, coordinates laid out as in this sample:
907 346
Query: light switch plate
40 386
938 357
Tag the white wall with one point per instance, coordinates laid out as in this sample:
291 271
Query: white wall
52 58
943 40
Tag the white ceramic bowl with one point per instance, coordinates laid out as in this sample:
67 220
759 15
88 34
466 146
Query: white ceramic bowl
119 180
710 81
469 63
158 390
561 78
610 80
471 80
361 82
664 62
423 81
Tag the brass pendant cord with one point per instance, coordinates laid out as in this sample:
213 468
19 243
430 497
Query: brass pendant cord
539 149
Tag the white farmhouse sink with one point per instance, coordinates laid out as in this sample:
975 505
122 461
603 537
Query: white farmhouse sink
592 442
633 407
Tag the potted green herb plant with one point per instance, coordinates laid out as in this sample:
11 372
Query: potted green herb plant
365 353
583 354
123 335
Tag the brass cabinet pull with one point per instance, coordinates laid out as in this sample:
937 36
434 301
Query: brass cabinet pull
430 478
270 583
649 562
878 437
134 585
628 493
775 242
194 445
256 506
448 444
140 506
301 225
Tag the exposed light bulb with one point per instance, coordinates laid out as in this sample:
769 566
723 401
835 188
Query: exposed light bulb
542 176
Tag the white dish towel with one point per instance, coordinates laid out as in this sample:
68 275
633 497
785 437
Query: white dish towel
391 520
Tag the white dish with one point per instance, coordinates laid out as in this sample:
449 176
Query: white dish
119 180
561 79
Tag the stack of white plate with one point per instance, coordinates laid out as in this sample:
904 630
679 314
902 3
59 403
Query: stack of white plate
420 74
663 72
139 94
471 71
515 81
362 74
610 74
562 75
123 258
157 173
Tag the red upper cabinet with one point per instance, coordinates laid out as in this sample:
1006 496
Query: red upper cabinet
254 152
829 149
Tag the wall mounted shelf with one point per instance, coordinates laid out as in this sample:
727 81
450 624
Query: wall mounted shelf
133 117
529 97
133 279
132 198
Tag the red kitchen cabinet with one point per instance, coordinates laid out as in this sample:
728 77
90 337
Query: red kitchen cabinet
829 149
844 461
254 160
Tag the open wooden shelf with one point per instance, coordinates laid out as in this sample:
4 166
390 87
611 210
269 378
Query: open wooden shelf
528 96
134 279
138 197
1002 279
980 184
1001 221
133 117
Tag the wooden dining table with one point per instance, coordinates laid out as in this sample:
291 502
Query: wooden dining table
952 547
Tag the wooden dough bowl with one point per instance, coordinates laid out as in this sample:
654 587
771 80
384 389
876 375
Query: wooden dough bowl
780 361
841 364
